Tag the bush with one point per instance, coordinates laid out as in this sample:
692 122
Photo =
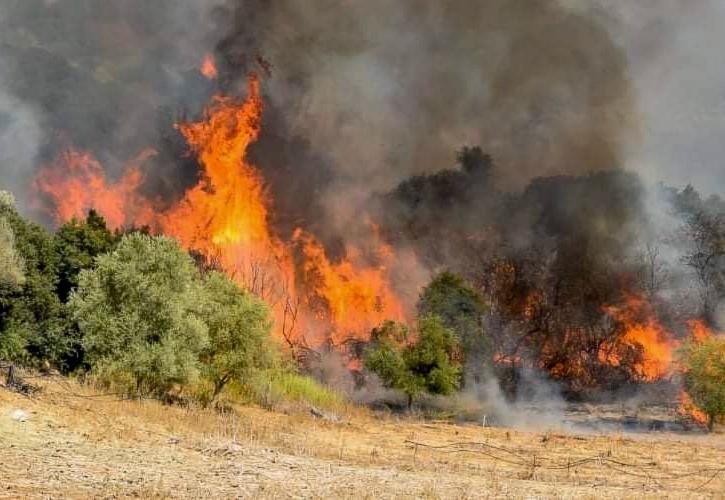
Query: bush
32 319
705 376
426 365
139 313
461 309
77 244
271 387
239 324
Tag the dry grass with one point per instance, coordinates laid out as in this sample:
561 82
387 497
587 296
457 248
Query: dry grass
78 444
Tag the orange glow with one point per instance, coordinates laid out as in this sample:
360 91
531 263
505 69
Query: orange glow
208 67
356 297
699 330
643 331
688 408
225 217
76 182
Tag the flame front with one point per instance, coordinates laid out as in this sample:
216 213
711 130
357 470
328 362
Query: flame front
642 330
225 217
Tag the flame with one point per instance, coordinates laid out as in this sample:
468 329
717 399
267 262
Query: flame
689 409
208 67
699 330
356 297
76 182
641 330
225 217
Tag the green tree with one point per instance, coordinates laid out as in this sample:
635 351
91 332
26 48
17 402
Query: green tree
427 364
461 308
12 274
77 243
705 376
31 316
239 333
139 312
12 277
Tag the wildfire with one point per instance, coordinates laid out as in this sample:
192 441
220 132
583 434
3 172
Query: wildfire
208 67
225 217
76 182
699 330
689 409
357 297
643 331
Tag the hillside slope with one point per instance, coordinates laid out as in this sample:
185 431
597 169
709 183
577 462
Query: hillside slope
68 441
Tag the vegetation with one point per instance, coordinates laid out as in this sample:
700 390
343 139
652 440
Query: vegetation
427 364
461 309
239 326
705 376
139 312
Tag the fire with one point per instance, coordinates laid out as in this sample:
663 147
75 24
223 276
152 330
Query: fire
644 331
208 67
699 330
689 409
76 182
357 297
225 217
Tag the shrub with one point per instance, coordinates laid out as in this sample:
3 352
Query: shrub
31 316
427 364
139 312
705 376
239 324
461 309
271 387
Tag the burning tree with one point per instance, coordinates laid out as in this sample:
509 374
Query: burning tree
704 364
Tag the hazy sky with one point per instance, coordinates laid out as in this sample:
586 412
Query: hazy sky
675 52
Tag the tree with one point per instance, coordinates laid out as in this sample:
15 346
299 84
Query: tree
705 376
139 312
30 313
239 324
77 243
461 309
11 278
426 365
11 263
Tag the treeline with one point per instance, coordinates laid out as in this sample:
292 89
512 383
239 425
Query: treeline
134 311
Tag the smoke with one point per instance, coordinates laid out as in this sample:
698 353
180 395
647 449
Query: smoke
390 89
105 77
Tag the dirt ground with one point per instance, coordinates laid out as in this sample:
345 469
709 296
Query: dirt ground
70 442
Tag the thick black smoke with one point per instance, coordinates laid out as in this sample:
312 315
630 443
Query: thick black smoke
362 95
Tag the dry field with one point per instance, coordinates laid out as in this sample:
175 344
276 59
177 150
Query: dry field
74 443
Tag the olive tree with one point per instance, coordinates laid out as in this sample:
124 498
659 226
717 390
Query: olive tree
239 325
139 311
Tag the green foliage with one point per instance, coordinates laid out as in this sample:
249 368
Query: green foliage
705 376
283 385
426 365
239 324
31 315
461 309
12 273
77 243
139 312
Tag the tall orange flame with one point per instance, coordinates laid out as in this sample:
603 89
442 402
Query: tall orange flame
642 330
225 216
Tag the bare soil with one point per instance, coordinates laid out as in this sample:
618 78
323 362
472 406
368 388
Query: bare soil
69 441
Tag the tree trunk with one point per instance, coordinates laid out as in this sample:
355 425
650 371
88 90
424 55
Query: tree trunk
710 422
410 402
